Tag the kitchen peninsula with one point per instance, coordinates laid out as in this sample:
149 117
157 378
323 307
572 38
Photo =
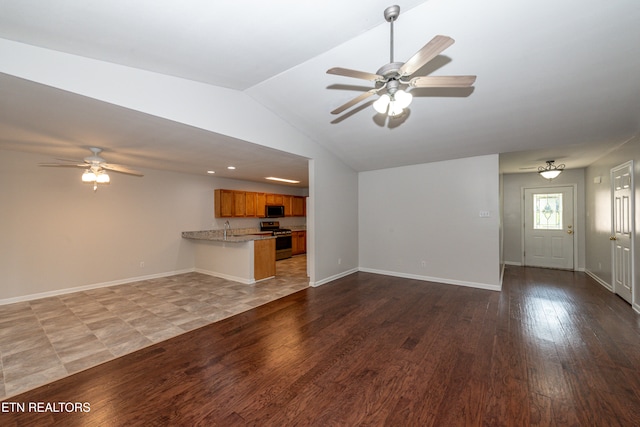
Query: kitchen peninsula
246 258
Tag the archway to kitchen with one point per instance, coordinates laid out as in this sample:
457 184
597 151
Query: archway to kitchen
268 193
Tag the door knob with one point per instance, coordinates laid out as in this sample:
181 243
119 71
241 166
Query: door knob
613 238
569 231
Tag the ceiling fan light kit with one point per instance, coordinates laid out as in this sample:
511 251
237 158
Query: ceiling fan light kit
551 170
394 101
95 177
88 176
100 177
103 178
394 77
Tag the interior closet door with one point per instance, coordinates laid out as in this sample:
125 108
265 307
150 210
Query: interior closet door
622 230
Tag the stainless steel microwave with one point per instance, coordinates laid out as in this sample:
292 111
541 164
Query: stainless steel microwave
273 211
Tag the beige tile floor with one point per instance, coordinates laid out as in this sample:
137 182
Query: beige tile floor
47 339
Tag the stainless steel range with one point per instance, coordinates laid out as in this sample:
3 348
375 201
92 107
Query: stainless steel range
283 238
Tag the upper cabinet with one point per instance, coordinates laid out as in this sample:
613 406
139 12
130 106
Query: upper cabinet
298 206
261 202
239 203
286 201
234 203
275 199
223 203
250 204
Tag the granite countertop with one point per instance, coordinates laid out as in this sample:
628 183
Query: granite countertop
233 237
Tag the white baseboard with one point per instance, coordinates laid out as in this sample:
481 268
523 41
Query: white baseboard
519 264
332 278
57 292
434 279
599 280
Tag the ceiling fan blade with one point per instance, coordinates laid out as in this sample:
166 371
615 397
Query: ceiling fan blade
355 101
355 73
70 165
70 160
442 81
120 168
426 54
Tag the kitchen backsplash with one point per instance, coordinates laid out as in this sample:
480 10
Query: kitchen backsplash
254 223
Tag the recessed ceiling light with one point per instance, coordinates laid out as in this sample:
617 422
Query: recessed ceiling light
211 172
291 181
231 167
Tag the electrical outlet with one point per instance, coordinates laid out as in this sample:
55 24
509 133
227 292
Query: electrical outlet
339 261
141 264
423 263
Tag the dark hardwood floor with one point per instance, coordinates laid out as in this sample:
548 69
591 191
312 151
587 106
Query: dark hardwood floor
553 348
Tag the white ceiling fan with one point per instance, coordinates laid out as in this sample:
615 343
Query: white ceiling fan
96 168
395 75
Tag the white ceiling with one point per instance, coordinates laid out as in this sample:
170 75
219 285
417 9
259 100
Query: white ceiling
555 79
49 121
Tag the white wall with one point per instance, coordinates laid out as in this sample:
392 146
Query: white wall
335 203
332 191
598 217
512 215
430 213
57 233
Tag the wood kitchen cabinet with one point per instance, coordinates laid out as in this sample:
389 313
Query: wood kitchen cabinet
293 205
298 242
239 203
275 199
264 259
230 203
234 203
250 204
298 206
286 201
223 203
261 202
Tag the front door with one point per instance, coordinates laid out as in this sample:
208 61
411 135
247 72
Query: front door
548 227
622 229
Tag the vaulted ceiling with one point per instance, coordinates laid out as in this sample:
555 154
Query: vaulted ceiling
554 79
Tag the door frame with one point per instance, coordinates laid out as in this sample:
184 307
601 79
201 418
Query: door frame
576 232
632 213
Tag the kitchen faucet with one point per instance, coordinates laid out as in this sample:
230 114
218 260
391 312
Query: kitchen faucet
226 227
